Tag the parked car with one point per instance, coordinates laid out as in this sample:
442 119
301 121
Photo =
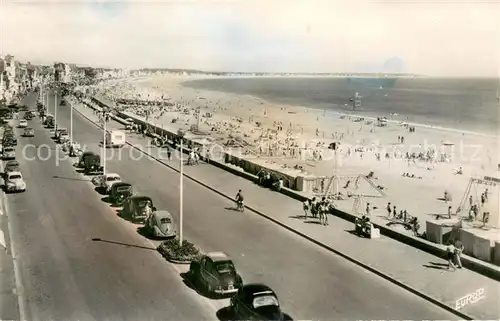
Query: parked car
256 302
29 132
11 141
136 208
160 224
92 165
28 116
11 166
8 152
59 132
215 273
23 123
119 192
14 182
81 161
107 180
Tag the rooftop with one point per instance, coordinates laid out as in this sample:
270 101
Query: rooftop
218 256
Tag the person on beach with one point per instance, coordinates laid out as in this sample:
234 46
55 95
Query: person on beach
305 206
459 248
450 252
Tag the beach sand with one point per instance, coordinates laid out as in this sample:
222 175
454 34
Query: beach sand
296 136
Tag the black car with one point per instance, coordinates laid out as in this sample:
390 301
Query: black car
28 116
135 208
256 302
119 192
29 132
215 274
92 165
81 161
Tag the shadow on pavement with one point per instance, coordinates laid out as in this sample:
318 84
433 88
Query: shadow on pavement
107 199
313 222
198 288
225 314
99 190
124 244
299 217
141 230
437 266
71 178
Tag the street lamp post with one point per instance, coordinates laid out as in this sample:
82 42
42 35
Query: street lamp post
104 144
55 109
71 125
181 193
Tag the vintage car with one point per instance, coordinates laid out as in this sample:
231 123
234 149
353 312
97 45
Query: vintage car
75 150
59 132
8 152
136 208
81 161
215 274
14 182
11 166
256 302
28 116
23 123
29 132
160 224
107 180
119 192
92 165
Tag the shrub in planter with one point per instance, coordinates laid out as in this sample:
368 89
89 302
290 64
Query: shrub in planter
172 251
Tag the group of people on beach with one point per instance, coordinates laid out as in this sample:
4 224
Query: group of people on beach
317 208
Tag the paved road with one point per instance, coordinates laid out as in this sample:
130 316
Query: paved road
311 282
67 276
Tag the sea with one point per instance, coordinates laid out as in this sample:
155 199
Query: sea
471 105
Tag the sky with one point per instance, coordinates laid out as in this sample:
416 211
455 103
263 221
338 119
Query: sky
435 38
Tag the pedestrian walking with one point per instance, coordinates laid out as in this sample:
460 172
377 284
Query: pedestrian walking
450 252
368 210
459 248
389 210
449 211
305 207
169 154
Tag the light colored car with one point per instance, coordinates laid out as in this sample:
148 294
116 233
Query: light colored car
23 123
107 180
160 224
29 132
14 182
8 153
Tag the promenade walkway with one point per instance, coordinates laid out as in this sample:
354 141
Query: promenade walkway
412 267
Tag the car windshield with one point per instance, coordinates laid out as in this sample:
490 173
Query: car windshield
224 267
265 300
15 177
142 203
112 178
123 189
165 220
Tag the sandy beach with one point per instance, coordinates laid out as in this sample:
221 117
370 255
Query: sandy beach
296 139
